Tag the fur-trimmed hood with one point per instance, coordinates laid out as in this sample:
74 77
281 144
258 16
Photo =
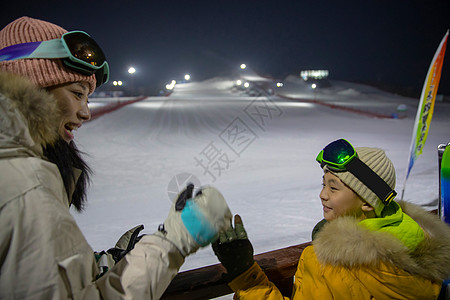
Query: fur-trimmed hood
29 117
342 242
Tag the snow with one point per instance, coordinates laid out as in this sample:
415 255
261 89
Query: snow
269 176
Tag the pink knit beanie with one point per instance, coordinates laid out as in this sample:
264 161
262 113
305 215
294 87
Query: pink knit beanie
42 72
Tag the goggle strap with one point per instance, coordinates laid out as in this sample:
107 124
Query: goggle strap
50 49
55 49
18 51
371 179
46 49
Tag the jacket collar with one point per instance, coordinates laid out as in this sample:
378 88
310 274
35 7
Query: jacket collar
344 242
29 117
394 221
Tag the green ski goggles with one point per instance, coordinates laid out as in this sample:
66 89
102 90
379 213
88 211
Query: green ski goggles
76 49
341 156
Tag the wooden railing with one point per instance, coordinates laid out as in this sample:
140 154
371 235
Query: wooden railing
206 283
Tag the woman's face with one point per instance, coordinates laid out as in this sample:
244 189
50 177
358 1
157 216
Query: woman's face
73 101
338 199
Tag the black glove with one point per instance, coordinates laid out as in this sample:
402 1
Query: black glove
107 259
126 243
234 250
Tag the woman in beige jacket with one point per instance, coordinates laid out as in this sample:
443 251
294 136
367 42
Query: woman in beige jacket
44 85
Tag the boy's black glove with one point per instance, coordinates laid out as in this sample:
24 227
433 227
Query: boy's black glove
234 250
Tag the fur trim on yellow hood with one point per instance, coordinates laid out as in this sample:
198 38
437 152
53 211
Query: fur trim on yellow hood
29 114
342 242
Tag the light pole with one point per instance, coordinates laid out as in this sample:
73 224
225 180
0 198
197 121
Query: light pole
314 87
171 86
131 71
117 92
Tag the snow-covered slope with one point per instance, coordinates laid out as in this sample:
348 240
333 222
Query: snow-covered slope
260 152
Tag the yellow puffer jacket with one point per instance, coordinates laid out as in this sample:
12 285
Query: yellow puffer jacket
348 261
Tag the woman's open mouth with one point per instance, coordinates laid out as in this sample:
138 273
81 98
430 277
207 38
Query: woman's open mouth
68 131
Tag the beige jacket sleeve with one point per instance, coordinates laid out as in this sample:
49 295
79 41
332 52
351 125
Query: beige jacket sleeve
144 273
44 255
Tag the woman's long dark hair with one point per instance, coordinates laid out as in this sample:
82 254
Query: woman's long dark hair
66 157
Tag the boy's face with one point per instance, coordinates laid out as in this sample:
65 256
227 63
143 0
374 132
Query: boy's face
338 199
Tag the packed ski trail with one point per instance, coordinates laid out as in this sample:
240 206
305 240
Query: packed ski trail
271 178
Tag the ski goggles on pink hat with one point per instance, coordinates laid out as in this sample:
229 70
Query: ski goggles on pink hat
341 156
76 49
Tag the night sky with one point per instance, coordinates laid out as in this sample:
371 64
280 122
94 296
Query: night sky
381 42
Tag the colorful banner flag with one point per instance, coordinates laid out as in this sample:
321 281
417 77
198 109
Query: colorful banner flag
426 106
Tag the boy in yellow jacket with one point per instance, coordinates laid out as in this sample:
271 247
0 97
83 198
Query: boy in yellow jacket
369 247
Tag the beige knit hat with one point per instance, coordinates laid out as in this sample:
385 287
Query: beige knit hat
377 160
42 72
